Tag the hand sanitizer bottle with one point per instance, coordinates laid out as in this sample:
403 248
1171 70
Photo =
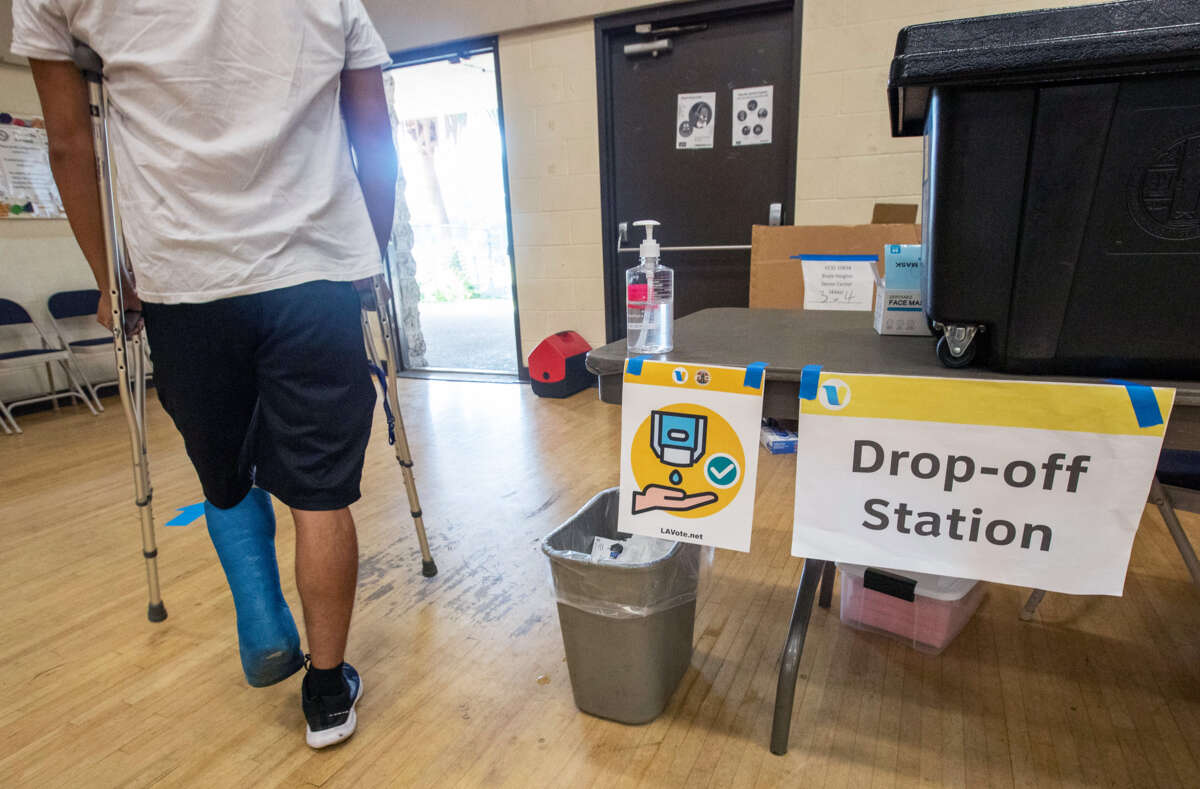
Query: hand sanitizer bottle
650 299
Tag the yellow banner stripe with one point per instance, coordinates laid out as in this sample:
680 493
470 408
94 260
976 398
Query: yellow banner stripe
720 379
1085 408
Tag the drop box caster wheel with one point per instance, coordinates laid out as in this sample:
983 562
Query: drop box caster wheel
950 360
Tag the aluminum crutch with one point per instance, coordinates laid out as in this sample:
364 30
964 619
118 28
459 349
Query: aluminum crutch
388 380
130 358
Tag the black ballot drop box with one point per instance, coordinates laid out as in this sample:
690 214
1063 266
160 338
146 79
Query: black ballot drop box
1061 194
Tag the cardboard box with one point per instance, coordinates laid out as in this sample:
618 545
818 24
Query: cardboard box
898 307
894 214
777 281
902 266
900 312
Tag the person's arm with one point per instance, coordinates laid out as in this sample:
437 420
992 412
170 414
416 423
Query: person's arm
364 106
64 97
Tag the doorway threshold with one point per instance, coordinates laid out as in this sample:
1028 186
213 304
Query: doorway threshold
463 376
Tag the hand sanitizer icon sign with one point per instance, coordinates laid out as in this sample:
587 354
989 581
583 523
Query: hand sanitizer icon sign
689 451
678 439
687 460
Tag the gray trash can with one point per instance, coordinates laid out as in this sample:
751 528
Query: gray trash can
626 628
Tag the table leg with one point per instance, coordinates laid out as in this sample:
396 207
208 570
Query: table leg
827 575
1162 499
789 664
1035 599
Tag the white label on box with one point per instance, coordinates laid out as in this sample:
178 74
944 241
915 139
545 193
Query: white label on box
832 284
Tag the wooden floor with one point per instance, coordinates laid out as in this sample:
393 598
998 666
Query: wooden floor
465 678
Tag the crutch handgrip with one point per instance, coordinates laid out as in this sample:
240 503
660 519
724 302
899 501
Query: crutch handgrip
88 62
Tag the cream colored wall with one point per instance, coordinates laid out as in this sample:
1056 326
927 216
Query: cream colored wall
37 256
847 159
548 84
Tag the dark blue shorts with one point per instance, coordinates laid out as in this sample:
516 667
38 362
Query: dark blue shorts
270 389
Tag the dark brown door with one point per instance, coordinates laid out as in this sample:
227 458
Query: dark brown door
655 119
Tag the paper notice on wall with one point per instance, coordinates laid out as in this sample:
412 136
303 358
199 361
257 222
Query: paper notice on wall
27 188
753 115
839 282
695 120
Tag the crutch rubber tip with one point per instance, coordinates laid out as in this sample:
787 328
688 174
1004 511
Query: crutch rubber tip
157 612
428 568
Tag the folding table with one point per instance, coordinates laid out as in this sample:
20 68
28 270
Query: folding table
844 342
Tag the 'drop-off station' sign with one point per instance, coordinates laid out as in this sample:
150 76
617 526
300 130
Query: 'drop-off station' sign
689 451
1033 484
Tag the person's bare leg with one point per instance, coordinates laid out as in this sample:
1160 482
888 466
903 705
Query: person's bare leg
327 577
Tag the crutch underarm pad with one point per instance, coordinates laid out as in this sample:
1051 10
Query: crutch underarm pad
244 536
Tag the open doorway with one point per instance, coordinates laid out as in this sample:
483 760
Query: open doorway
448 118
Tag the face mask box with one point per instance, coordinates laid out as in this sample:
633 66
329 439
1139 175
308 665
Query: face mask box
778 440
898 307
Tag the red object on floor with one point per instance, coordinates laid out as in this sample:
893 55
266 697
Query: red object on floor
556 366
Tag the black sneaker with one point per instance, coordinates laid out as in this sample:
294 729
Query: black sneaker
331 719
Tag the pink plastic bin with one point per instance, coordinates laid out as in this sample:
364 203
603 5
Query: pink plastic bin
926 610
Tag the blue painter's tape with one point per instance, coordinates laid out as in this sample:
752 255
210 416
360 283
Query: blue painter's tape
187 515
1145 404
634 367
754 374
804 256
810 376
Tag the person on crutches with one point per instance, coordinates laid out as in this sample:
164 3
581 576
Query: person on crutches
255 182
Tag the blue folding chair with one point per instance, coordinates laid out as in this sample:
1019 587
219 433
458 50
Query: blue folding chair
23 358
69 308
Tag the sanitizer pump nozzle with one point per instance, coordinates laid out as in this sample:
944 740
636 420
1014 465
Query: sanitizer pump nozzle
649 250
650 304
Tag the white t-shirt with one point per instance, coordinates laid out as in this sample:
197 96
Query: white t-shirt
234 173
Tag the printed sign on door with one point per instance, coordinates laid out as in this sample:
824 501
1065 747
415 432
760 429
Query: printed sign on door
689 451
695 120
753 115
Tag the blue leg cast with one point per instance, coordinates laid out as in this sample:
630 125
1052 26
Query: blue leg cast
244 536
